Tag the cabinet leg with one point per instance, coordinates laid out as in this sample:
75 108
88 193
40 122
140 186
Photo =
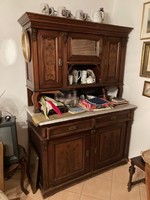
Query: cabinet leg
131 172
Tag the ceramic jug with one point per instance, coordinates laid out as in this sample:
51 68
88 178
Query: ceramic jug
76 75
83 76
98 15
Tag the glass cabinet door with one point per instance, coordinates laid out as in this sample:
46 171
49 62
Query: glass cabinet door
84 48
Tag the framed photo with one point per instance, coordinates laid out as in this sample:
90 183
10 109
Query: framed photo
145 26
145 60
146 89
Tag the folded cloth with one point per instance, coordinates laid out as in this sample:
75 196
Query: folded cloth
48 104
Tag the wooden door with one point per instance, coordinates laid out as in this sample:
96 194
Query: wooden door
69 158
113 60
50 59
110 144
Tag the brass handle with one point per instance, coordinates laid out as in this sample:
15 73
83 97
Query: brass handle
72 128
60 62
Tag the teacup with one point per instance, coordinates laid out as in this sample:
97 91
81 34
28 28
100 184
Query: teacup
70 79
63 12
80 15
52 11
90 80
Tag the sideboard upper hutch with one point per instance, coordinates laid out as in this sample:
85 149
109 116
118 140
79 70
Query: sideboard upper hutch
56 45
73 149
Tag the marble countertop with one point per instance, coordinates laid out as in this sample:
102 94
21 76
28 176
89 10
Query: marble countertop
39 118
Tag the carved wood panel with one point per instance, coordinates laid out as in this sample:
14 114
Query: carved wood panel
109 146
50 72
112 59
70 158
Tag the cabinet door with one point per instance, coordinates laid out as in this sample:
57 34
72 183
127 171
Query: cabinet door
50 59
110 142
113 60
69 158
84 48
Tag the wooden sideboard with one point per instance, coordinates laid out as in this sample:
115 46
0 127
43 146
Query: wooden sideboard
78 147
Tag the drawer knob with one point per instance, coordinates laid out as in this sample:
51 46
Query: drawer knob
72 128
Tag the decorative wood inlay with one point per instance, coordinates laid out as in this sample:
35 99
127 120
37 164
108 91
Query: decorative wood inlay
49 59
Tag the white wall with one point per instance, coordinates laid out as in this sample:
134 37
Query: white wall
12 66
129 13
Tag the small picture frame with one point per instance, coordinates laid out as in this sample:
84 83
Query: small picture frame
146 89
145 26
145 60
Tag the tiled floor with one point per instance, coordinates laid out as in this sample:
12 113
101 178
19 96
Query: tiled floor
111 185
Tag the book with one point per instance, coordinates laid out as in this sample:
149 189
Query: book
76 110
94 107
97 101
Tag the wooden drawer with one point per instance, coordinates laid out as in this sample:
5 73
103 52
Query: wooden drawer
115 117
70 128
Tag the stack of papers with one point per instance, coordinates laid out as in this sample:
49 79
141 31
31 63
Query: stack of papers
119 101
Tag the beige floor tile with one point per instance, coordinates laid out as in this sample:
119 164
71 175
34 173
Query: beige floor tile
106 175
98 188
119 192
76 188
36 196
121 173
83 197
65 195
